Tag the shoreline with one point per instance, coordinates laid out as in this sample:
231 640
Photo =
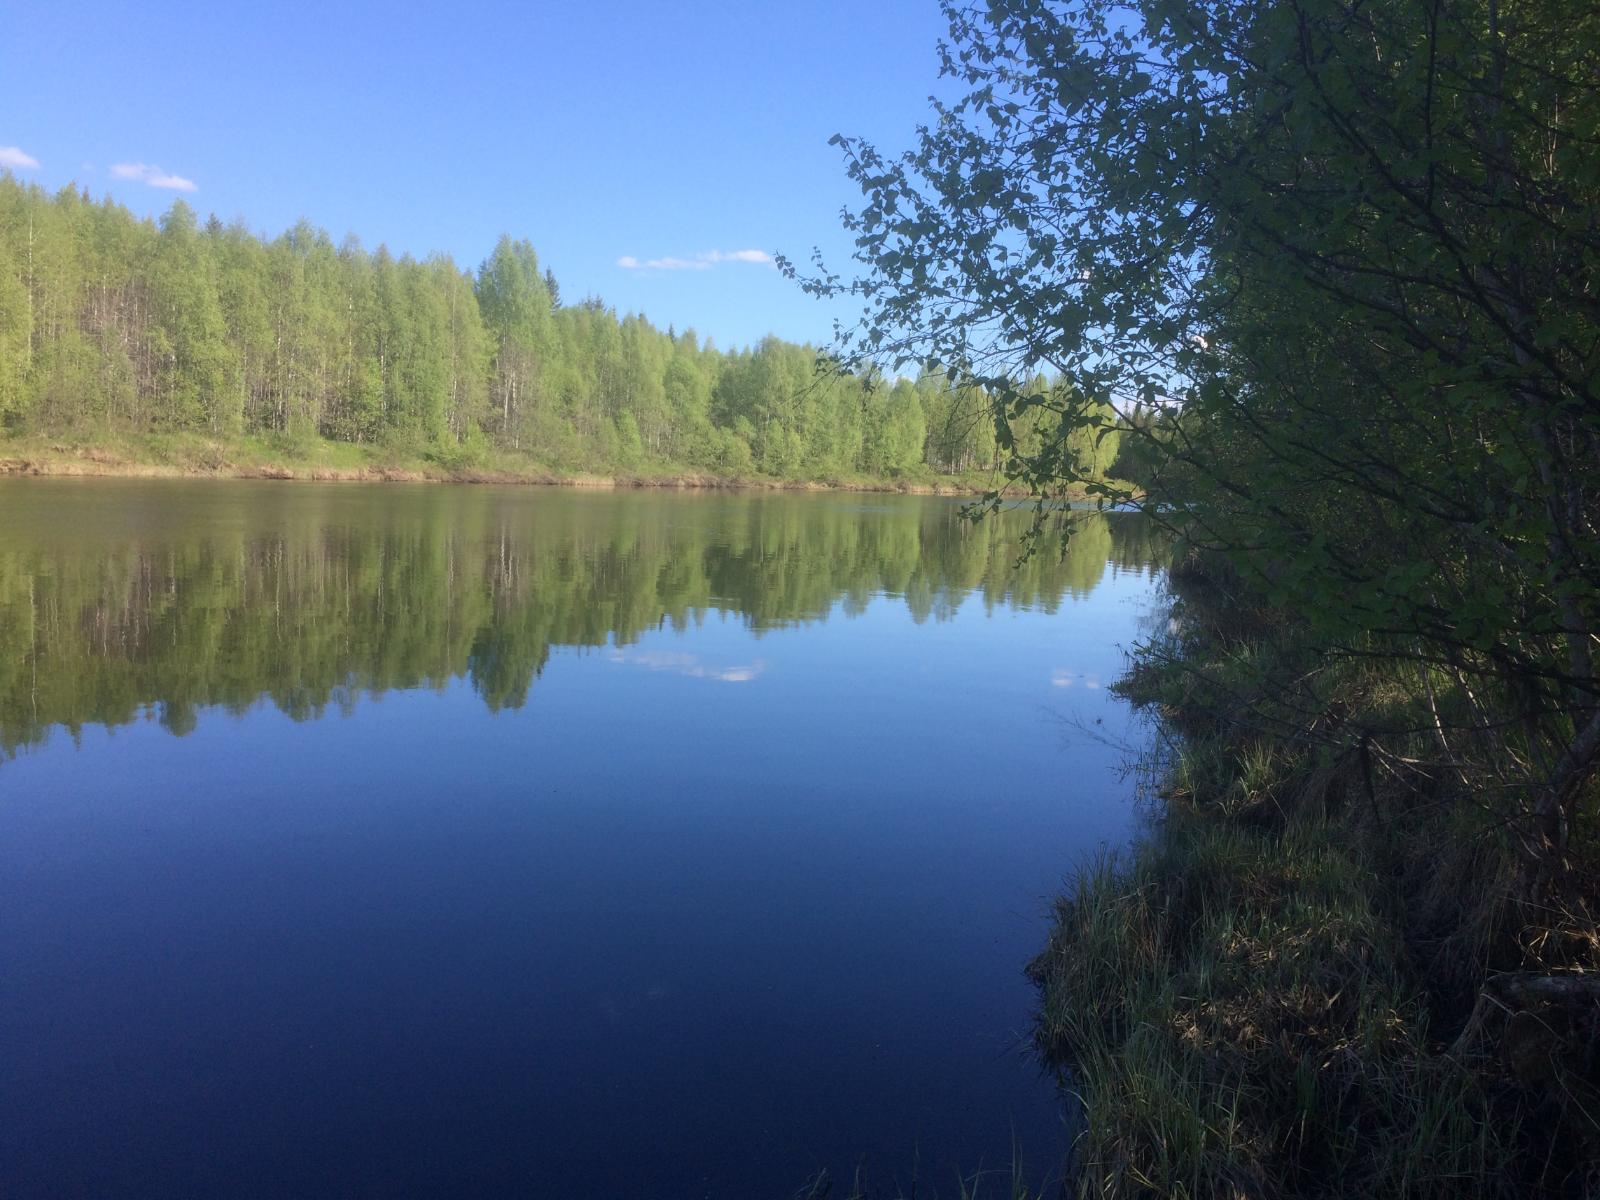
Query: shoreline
1303 971
92 462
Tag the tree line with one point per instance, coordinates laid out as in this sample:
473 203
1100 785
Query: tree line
112 323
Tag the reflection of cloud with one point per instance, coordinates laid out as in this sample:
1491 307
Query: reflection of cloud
1061 677
689 664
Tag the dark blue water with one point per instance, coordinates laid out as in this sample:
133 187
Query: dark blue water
416 841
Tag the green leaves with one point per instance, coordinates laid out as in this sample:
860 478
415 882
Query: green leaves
107 321
1358 242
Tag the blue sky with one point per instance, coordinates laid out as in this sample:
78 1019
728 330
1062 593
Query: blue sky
605 132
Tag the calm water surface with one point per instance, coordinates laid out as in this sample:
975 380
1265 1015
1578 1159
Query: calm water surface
417 841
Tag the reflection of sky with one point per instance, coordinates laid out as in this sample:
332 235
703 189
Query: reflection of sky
781 925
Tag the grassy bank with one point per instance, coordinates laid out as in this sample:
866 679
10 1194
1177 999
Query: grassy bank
1321 974
195 456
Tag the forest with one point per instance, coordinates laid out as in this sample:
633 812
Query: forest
1335 266
116 327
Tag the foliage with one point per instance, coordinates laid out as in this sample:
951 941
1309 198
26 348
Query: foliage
111 326
1351 251
1329 272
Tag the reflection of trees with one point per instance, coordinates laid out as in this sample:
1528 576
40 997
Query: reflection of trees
316 606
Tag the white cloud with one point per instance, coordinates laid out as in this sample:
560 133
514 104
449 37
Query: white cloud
17 159
700 262
152 175
744 256
664 264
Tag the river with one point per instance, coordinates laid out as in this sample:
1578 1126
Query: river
411 840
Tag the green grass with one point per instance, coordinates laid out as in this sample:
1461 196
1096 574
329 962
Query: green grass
1242 1019
276 456
1269 995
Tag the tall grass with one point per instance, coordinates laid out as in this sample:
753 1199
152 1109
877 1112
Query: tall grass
1286 990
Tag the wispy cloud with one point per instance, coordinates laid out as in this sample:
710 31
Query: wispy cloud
700 262
663 264
153 176
17 159
760 257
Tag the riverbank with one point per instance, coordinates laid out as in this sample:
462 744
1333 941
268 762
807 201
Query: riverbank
1320 973
194 457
